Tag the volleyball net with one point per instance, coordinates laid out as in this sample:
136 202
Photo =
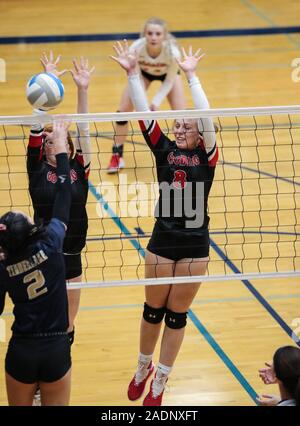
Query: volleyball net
254 203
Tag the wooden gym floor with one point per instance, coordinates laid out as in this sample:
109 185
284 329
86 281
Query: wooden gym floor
234 327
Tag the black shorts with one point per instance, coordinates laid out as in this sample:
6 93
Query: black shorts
152 77
176 244
38 359
73 265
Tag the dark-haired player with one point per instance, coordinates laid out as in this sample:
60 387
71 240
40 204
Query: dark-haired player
179 245
41 169
32 272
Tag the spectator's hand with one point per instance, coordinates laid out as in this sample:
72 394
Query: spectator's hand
190 60
50 65
128 60
268 400
267 374
81 73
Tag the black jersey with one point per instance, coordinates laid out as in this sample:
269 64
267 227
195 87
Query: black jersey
42 188
35 281
177 167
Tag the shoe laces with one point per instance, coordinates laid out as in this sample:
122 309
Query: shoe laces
142 372
158 385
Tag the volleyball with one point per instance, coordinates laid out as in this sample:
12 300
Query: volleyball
44 91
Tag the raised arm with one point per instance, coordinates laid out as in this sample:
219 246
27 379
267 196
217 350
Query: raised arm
35 147
62 203
205 125
127 59
81 75
35 144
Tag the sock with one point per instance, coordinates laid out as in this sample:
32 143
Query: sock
145 359
71 335
142 370
118 149
160 379
162 370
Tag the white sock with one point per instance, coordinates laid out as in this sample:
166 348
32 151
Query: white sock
142 370
145 359
163 370
160 379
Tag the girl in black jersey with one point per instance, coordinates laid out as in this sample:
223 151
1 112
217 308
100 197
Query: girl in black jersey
41 168
32 272
179 245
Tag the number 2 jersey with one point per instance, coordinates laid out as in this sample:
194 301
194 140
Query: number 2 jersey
42 188
35 281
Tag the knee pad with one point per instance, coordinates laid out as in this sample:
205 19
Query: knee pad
153 315
121 123
175 320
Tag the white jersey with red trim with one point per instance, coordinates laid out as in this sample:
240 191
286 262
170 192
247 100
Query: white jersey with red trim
163 64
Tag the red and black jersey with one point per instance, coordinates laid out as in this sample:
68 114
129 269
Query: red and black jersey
42 187
177 167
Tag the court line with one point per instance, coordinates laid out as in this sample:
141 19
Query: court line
257 294
239 166
56 38
116 219
264 17
208 301
208 337
148 234
250 169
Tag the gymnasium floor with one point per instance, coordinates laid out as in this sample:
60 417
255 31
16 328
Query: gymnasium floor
235 326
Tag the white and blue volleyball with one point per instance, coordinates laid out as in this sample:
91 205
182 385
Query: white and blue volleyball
44 91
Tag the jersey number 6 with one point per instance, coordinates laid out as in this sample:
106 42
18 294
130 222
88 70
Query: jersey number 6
38 281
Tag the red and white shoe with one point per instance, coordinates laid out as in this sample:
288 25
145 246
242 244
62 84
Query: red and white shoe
136 389
116 163
155 395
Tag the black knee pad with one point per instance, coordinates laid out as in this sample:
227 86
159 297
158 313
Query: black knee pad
153 315
175 320
121 123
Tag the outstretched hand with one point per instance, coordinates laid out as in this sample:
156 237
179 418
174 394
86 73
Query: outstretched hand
81 73
59 135
50 64
267 374
190 60
127 59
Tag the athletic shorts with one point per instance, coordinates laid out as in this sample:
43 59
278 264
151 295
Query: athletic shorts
152 77
38 359
73 265
176 244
